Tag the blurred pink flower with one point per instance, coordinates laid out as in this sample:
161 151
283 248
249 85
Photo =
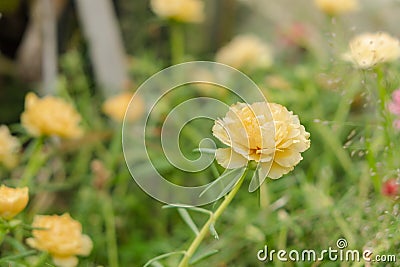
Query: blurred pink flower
297 35
394 105
396 124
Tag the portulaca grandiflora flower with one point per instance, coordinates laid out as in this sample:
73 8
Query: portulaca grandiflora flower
266 133
60 236
246 52
12 201
50 116
191 11
370 49
336 7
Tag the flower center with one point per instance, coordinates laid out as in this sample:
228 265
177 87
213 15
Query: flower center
252 127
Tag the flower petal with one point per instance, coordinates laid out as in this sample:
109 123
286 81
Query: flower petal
65 262
287 158
30 100
229 159
87 246
278 171
220 132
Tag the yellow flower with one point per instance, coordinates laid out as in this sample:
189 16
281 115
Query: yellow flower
335 7
278 82
369 49
50 116
205 85
116 107
8 147
12 201
245 52
60 236
264 132
179 10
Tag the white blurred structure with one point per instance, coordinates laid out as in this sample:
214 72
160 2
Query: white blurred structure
102 33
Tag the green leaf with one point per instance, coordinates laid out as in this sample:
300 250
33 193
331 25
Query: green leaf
157 264
201 210
2 235
19 256
213 231
14 223
188 220
42 260
205 150
202 256
15 244
219 181
166 255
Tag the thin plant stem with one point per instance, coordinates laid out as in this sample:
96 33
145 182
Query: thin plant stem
282 237
42 260
381 88
383 99
177 42
35 161
343 225
385 117
16 257
371 160
115 150
3 233
111 237
108 212
213 218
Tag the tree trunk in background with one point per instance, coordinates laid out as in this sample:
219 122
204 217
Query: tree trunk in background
40 36
30 49
101 28
49 55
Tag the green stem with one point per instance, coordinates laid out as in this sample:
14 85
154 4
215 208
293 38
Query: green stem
213 218
16 257
344 226
264 196
42 260
386 120
111 237
371 160
177 42
35 161
115 150
282 237
381 88
387 123
364 186
3 233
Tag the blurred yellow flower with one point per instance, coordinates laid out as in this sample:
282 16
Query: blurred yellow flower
205 83
336 7
180 10
50 116
369 49
278 82
116 107
60 236
264 132
246 52
9 146
12 201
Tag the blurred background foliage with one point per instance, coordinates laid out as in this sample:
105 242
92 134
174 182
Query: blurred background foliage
330 195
